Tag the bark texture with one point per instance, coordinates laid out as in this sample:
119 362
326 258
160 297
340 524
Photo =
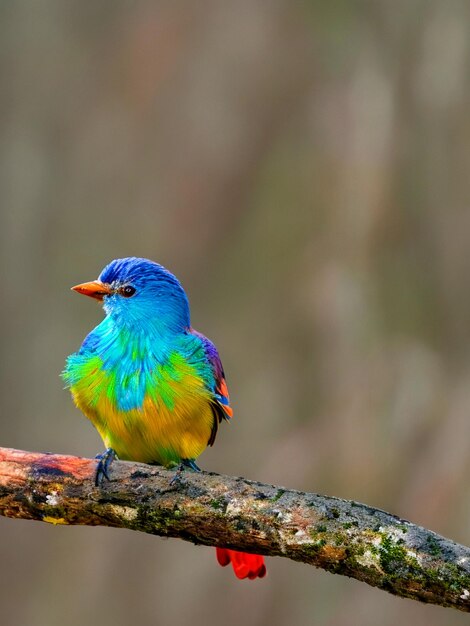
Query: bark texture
340 536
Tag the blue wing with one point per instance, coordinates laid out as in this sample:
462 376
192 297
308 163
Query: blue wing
221 406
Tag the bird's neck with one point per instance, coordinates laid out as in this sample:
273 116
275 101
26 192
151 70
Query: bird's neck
121 342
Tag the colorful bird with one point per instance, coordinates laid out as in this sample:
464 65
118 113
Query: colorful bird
153 387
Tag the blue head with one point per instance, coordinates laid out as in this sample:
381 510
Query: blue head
141 294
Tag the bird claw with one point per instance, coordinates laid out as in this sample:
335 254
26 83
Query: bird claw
104 463
176 479
185 464
190 464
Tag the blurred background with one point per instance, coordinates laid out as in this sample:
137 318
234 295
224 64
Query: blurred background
304 169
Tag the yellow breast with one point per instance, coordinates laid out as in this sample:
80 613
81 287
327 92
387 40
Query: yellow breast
155 432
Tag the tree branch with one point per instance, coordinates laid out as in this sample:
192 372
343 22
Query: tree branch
340 536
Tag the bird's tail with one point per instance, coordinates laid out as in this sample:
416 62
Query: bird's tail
244 565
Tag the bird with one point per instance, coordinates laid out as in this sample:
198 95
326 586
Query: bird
153 387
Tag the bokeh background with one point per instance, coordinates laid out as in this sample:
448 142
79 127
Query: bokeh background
304 168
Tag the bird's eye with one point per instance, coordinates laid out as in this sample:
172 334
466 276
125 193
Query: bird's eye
127 291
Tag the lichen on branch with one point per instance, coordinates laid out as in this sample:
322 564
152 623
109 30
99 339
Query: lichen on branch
340 536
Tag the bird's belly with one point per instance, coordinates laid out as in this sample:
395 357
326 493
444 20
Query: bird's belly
154 433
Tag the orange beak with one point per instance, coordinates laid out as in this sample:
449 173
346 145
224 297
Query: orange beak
95 289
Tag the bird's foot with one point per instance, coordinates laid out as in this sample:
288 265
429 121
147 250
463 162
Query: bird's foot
185 464
190 464
104 463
